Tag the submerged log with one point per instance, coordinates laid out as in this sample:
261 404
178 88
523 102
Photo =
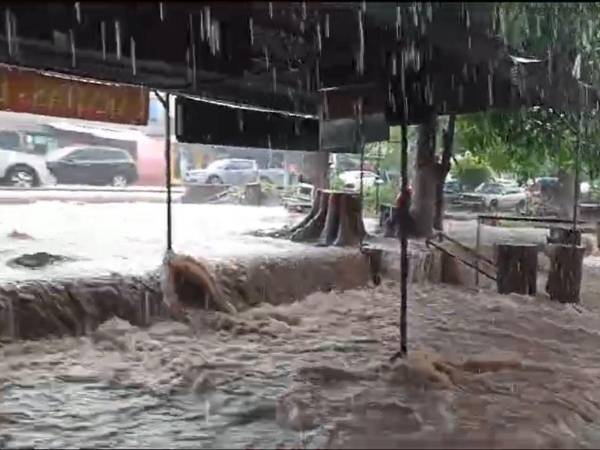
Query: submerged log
334 220
564 278
517 269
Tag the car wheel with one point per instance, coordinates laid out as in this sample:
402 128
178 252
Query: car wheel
521 207
23 177
493 208
267 180
214 179
119 181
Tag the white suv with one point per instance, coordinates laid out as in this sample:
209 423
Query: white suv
21 169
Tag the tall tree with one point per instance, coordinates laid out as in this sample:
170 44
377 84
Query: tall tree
541 140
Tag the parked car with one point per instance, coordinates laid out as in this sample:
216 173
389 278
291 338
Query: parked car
274 176
452 191
351 179
495 197
22 169
92 165
225 171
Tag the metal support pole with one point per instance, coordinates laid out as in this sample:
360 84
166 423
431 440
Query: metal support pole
377 168
167 107
403 244
478 250
576 181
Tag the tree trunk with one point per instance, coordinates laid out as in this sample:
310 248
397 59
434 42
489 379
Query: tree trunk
517 269
564 278
334 220
444 169
565 194
316 169
425 180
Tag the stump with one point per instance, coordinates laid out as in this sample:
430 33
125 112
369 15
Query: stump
516 269
561 235
564 278
335 219
252 194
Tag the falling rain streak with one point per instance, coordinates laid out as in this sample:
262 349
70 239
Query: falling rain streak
132 54
361 50
73 53
161 11
327 26
266 53
103 38
78 12
9 31
251 28
118 38
398 22
319 39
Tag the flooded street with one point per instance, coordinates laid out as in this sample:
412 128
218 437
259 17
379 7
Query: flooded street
129 238
483 370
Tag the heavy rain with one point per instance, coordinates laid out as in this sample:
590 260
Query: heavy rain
299 225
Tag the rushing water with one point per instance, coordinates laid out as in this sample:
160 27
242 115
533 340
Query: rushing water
484 370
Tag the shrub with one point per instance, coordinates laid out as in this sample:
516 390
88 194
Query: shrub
471 172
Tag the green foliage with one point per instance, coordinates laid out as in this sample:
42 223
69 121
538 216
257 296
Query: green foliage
471 172
336 184
539 141
387 194
571 29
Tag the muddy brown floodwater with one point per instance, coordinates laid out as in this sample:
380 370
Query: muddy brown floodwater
484 370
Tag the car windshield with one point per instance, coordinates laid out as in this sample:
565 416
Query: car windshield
489 189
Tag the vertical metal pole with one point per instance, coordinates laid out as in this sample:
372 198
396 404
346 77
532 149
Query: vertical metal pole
167 106
403 244
377 172
477 249
576 190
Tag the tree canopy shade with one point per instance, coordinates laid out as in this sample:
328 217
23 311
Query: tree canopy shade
566 38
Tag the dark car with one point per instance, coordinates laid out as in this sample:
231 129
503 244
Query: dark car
92 165
452 191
